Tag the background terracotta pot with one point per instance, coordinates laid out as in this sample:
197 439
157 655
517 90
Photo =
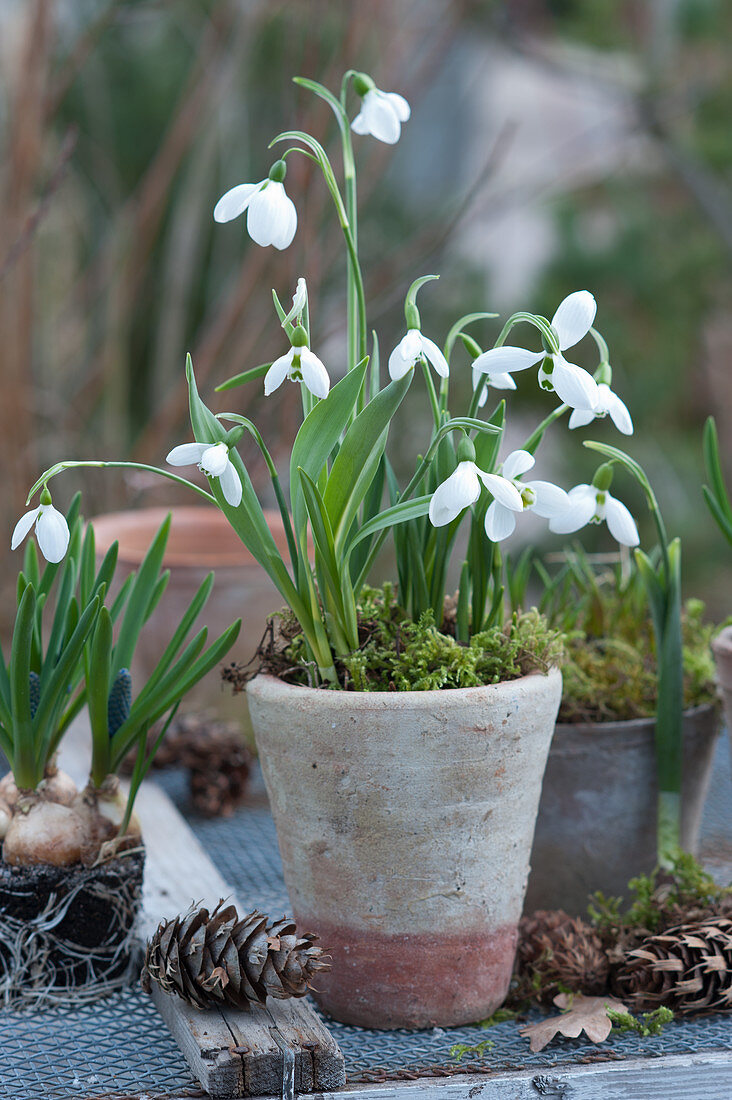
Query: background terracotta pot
200 540
405 822
596 827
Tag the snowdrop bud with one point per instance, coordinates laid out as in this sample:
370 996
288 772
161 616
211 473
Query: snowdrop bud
412 315
234 435
278 171
604 374
362 83
603 478
466 450
299 338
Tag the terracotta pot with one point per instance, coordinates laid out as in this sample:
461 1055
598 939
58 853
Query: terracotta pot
405 822
722 650
201 539
596 827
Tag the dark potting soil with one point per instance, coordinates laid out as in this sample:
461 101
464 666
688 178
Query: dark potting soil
72 923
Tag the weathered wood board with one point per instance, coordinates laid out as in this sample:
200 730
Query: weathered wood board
233 1054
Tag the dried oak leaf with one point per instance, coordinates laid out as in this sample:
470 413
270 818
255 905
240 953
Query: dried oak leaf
580 1013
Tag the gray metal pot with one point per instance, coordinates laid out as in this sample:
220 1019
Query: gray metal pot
596 827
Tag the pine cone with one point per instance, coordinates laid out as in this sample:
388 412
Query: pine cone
687 968
557 953
222 960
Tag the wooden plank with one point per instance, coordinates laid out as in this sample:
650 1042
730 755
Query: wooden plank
705 1076
231 1053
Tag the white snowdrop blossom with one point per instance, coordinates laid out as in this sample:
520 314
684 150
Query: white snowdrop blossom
213 460
542 497
299 364
497 381
410 349
271 215
608 404
299 302
588 504
52 530
573 385
381 115
462 488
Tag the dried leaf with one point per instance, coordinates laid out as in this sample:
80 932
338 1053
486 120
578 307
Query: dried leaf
580 1013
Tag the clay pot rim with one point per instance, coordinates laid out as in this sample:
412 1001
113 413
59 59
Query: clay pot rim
722 644
266 685
111 526
629 725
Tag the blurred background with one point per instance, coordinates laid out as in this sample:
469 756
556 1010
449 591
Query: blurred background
554 145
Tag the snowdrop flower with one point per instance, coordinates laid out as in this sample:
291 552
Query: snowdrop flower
573 385
271 215
299 364
410 349
593 504
381 114
299 302
52 530
462 488
608 403
213 460
542 497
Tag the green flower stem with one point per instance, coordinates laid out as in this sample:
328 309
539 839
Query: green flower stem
432 393
61 466
537 435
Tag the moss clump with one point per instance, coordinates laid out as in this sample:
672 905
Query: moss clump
613 678
397 654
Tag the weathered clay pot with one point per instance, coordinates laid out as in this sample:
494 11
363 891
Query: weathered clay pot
722 650
201 540
405 822
596 827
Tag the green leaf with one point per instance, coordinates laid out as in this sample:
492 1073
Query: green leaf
318 435
141 592
243 378
390 517
97 692
358 458
19 672
181 632
322 536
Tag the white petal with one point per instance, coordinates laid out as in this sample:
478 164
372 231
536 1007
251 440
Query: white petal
230 483
314 374
573 385
581 506
504 491
620 522
287 226
479 379
517 463
550 499
405 354
434 356
401 108
458 491
188 454
360 125
506 359
619 414
23 526
235 201
214 459
500 522
269 214
381 118
52 532
574 318
278 372
580 417
501 381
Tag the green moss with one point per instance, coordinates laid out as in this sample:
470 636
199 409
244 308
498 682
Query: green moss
397 654
648 1023
613 678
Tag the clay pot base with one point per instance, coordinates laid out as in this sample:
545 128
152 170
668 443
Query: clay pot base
66 933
